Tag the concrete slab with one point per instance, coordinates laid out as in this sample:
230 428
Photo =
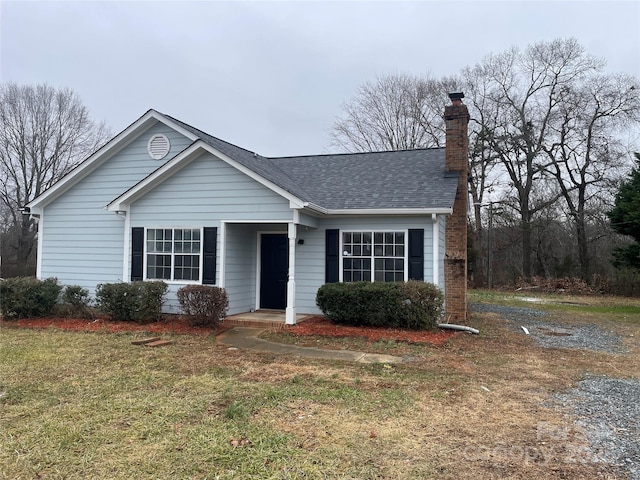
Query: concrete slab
245 337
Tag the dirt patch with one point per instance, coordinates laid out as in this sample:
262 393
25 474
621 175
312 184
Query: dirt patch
323 327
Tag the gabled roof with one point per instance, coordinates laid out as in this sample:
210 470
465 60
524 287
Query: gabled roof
408 181
151 117
399 180
405 179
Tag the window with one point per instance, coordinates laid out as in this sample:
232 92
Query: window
173 254
373 256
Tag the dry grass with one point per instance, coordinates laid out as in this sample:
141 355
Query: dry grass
90 405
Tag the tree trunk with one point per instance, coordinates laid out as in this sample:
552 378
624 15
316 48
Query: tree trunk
526 245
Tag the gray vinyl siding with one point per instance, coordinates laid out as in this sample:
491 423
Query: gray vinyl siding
240 266
310 262
82 243
205 191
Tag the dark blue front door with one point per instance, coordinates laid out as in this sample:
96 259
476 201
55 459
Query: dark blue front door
274 269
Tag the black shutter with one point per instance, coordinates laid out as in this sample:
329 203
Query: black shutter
209 255
332 256
137 252
416 254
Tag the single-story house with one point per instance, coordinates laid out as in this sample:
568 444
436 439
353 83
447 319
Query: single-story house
165 201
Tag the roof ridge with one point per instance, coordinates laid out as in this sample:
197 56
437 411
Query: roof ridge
345 154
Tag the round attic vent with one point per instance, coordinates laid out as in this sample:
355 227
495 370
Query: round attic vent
158 146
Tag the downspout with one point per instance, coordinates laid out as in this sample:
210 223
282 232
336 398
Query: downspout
436 249
463 328
127 242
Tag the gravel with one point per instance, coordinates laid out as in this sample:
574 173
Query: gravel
606 410
551 334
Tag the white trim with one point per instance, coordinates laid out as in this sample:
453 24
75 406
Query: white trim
126 255
118 142
290 311
172 281
259 234
435 228
183 159
40 221
222 235
232 221
378 211
373 257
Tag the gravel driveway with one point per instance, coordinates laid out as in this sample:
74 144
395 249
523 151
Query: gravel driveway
551 334
606 410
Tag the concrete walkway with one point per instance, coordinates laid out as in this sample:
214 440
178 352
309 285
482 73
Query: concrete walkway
245 337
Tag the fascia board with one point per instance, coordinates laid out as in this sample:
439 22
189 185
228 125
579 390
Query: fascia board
386 211
293 200
144 186
181 160
92 162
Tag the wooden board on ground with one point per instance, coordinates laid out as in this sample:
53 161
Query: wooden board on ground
144 341
158 343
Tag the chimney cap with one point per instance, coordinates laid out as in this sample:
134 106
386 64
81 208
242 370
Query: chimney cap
456 96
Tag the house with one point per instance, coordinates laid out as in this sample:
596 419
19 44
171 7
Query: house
164 200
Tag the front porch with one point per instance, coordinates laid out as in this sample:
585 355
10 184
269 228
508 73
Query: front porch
258 269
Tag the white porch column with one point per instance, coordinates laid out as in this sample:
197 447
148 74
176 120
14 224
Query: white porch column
290 316
436 249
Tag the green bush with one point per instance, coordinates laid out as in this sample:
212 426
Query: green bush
415 305
203 305
28 297
138 301
75 302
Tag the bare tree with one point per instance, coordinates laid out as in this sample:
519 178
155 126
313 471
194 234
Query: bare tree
587 155
520 98
44 133
396 112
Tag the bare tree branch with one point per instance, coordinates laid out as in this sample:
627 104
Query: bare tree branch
44 133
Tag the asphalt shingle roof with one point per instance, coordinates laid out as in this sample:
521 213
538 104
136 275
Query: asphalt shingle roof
395 179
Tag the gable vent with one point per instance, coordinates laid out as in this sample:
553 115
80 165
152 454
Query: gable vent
158 146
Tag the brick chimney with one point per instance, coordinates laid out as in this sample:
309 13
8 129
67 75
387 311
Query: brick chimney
456 118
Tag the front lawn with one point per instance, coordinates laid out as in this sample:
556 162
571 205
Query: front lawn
79 405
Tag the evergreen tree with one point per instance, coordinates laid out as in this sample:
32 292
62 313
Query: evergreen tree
625 219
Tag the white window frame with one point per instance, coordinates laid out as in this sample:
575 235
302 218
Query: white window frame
373 257
173 255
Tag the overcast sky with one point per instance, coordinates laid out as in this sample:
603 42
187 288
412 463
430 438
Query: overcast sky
271 76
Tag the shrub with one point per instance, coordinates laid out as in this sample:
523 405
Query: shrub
423 304
75 302
202 304
24 297
138 301
415 305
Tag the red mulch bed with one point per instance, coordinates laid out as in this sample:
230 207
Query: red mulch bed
175 325
321 326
